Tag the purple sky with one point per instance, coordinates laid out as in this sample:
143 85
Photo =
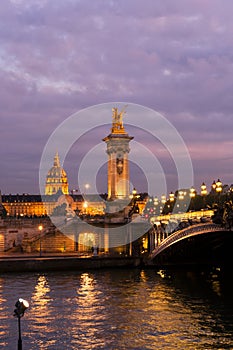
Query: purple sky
58 57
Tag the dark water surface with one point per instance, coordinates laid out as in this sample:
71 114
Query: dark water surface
118 309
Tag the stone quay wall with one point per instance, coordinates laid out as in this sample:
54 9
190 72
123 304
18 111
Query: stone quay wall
65 263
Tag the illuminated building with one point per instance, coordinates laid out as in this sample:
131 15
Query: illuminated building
37 205
56 186
118 165
26 205
56 179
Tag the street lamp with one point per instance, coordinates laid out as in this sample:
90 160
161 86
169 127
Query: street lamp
218 186
85 206
134 192
21 305
230 191
214 185
192 192
40 228
204 193
218 189
135 197
163 199
192 195
171 197
203 189
181 195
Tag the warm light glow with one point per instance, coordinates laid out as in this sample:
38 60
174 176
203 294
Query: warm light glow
214 185
181 195
203 189
86 293
163 199
219 189
145 243
24 302
87 186
41 299
86 241
40 228
171 197
192 193
40 295
21 306
218 183
218 186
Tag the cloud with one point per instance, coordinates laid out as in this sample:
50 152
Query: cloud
57 57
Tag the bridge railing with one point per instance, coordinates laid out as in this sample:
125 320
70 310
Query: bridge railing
188 231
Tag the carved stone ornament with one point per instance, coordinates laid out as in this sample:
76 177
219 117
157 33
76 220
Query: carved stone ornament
119 164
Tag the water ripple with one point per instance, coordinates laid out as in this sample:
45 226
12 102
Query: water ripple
117 309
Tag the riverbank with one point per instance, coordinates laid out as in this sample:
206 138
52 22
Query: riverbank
64 263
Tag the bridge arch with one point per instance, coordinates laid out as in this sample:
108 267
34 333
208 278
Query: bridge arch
206 243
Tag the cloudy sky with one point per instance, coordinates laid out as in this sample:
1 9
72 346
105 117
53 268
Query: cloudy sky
58 57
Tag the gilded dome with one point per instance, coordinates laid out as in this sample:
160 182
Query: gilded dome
56 179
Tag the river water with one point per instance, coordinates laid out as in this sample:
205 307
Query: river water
118 309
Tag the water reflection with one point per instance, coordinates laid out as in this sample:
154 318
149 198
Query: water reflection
40 296
89 315
118 309
41 317
2 299
3 328
202 301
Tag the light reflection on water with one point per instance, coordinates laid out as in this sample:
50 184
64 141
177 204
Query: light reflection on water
118 309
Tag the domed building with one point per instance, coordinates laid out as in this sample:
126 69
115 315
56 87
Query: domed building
56 179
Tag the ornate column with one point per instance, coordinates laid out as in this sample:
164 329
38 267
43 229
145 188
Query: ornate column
118 165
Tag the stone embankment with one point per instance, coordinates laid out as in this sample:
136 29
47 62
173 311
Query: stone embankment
63 263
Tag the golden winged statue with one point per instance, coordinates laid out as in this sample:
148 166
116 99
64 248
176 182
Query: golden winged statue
117 120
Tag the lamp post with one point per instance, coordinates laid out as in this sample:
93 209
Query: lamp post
180 195
203 193
85 206
21 305
163 199
171 197
192 192
40 228
218 186
163 203
134 197
230 191
134 192
192 195
219 189
203 189
155 207
213 186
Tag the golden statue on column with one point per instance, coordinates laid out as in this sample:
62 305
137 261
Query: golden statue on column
117 120
118 163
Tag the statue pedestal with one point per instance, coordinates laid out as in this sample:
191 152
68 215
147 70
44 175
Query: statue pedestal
117 211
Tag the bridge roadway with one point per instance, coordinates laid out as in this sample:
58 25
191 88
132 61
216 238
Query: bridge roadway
205 243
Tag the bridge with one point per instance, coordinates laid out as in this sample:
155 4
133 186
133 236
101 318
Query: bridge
206 243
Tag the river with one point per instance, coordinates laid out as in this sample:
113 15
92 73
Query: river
118 309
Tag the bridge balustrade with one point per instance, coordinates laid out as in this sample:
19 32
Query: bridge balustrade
186 232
